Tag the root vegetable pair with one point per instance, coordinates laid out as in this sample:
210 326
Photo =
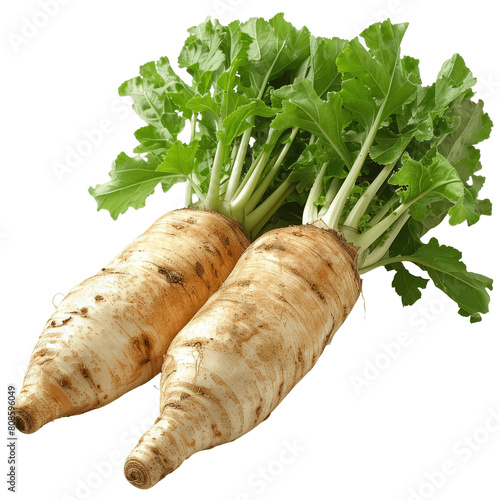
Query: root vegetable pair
332 157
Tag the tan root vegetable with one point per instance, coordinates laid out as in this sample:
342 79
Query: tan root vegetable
110 333
251 343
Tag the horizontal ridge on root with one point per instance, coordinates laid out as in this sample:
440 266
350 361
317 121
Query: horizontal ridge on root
137 474
30 416
23 421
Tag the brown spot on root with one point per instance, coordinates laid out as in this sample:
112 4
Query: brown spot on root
107 271
300 356
198 267
170 275
274 246
66 382
268 350
258 411
54 324
209 247
83 312
84 370
142 339
172 404
41 353
217 432
280 391
214 269
224 240
142 349
314 287
98 298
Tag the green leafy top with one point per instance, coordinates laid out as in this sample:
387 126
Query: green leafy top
226 103
392 159
286 127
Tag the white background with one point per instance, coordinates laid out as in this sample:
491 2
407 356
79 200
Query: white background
380 440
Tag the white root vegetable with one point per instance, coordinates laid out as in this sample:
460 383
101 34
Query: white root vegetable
251 343
110 333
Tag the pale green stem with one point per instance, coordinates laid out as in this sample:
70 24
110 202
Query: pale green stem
254 217
383 211
367 238
234 151
188 196
238 204
196 189
334 213
248 175
383 247
242 150
223 187
194 119
261 189
311 210
260 224
365 199
213 197
370 236
238 165
330 195
384 262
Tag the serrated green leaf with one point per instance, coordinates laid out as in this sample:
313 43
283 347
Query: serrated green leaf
276 47
388 146
385 81
205 104
236 122
324 72
153 140
432 176
149 91
473 127
406 285
326 119
180 159
201 54
449 274
132 181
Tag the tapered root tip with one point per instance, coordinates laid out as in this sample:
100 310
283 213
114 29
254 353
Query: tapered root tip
146 466
25 420
158 453
137 474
